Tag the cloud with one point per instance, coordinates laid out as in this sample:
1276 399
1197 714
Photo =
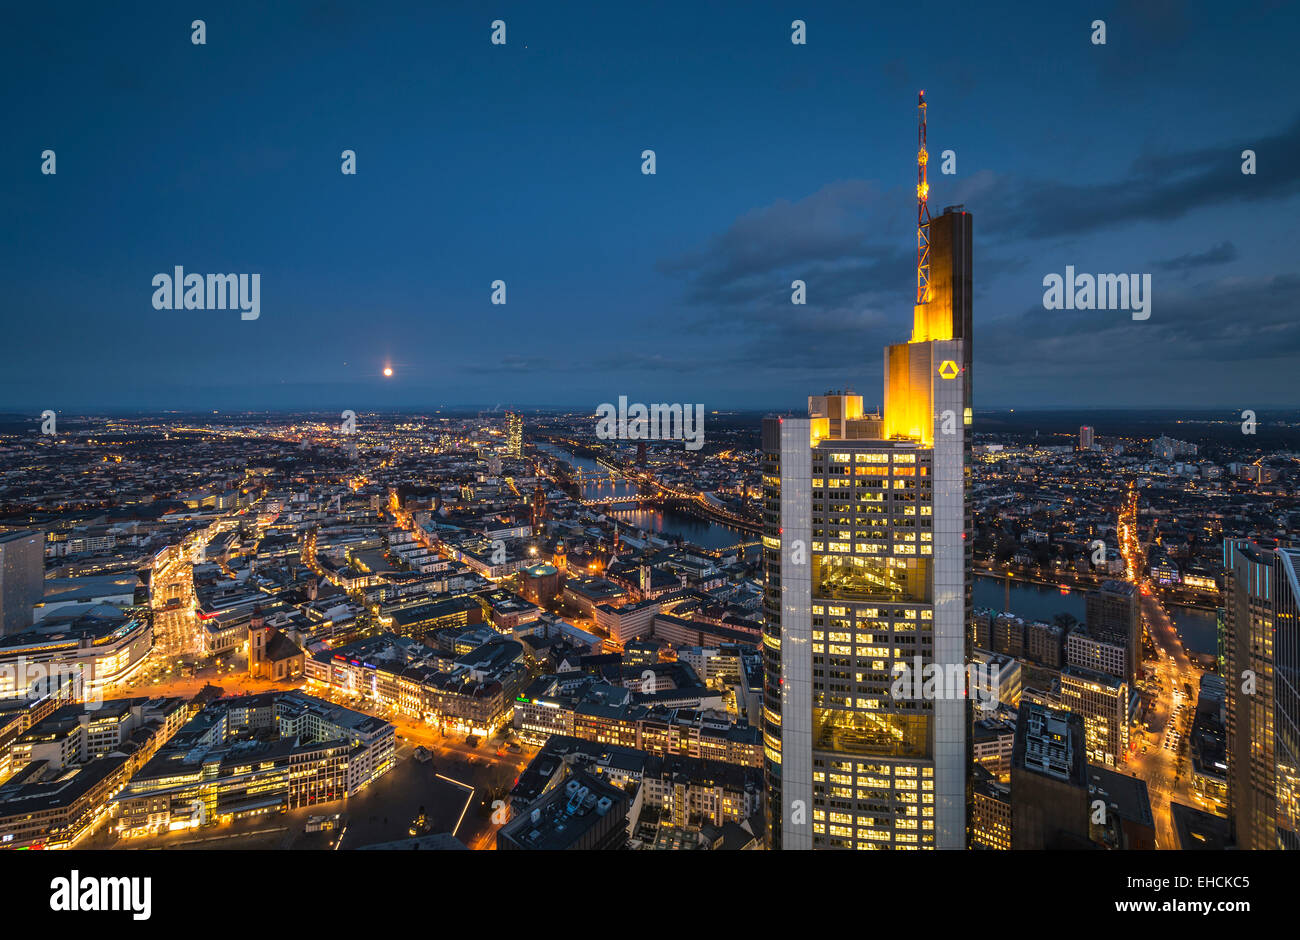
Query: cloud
827 227
1233 319
1158 188
1219 254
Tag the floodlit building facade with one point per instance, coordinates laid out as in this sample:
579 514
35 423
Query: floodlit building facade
867 573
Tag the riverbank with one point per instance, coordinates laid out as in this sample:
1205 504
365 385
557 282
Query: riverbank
1075 582
1036 599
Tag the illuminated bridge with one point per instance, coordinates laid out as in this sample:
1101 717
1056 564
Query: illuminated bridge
689 503
593 476
612 500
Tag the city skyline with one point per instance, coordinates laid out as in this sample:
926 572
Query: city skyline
681 427
403 570
523 163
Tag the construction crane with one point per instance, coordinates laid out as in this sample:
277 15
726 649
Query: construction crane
922 207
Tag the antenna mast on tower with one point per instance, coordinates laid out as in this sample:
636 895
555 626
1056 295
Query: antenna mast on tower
922 206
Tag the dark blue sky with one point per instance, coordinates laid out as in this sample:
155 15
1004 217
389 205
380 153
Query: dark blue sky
522 162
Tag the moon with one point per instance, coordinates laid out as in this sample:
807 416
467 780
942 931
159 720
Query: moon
388 371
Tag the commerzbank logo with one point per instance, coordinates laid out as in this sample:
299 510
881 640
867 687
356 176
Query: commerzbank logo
949 369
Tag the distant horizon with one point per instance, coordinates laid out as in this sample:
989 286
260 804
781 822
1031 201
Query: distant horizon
1227 413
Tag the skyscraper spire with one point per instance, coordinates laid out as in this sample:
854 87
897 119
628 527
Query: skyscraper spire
922 206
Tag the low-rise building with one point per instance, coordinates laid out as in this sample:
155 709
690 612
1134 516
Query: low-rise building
585 813
256 754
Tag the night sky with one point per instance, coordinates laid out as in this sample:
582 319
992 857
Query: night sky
523 162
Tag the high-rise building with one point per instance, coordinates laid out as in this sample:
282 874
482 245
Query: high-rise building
1044 643
1262 655
1111 615
22 578
514 435
1085 438
1166 448
867 576
1049 780
1103 703
1088 652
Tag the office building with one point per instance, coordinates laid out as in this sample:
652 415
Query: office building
1209 744
95 649
1008 632
844 416
1111 615
255 755
993 739
22 578
1127 822
1103 703
78 733
43 807
866 573
18 713
1044 642
996 682
1049 780
1086 652
585 813
1199 830
1262 649
1085 438
514 435
990 812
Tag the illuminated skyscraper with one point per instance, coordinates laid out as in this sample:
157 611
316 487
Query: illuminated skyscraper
22 578
1262 657
514 435
1111 615
867 574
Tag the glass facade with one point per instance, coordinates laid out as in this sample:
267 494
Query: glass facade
1262 654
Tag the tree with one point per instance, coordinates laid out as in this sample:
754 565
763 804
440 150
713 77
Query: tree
1066 622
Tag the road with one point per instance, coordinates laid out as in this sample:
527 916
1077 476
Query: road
1164 762
1166 766
171 589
